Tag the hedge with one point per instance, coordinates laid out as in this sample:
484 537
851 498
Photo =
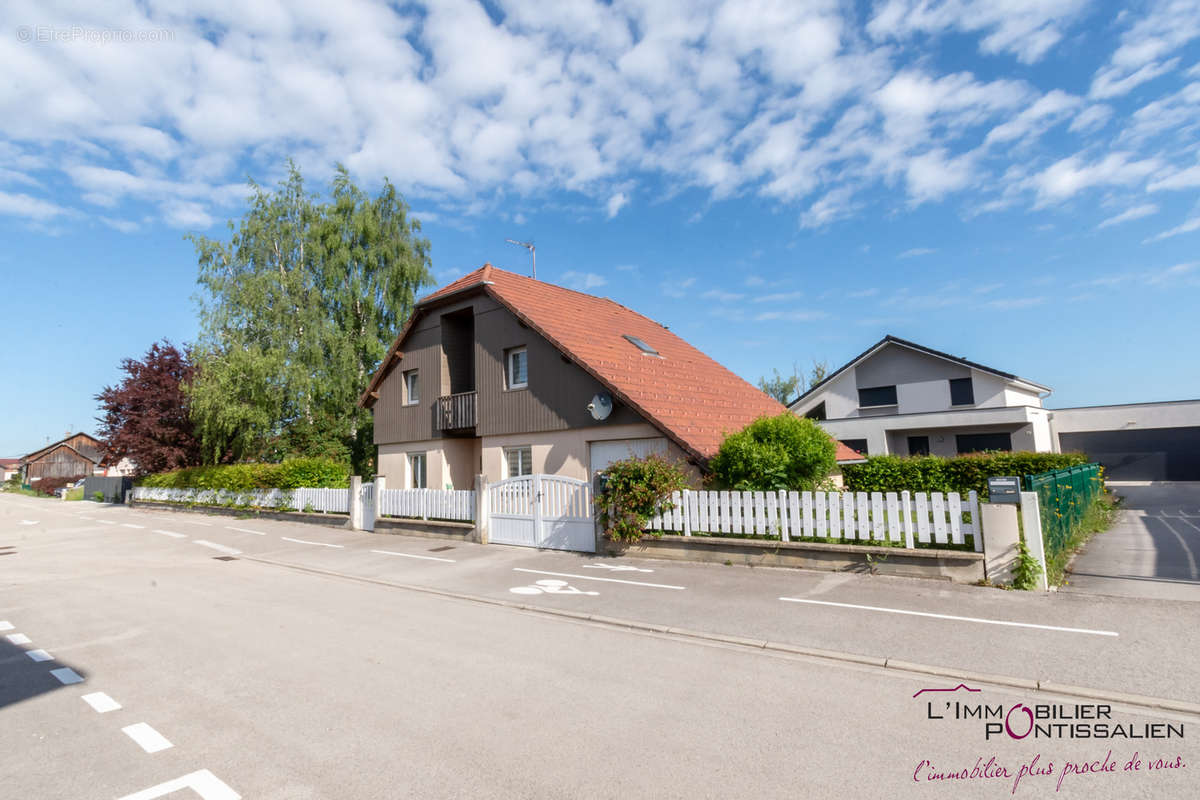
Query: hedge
960 474
296 473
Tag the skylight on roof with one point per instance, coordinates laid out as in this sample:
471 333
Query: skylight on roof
640 345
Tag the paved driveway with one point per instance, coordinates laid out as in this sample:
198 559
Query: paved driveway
1152 551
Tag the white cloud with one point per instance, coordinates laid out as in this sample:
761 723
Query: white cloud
1137 212
1015 303
122 225
1064 179
1183 179
917 251
1146 43
1188 226
723 296
22 205
616 203
1091 118
934 174
778 297
582 281
791 316
1026 29
677 288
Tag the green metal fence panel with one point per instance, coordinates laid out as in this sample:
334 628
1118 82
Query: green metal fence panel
1064 497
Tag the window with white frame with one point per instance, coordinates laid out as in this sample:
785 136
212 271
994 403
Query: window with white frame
519 460
516 373
416 471
412 388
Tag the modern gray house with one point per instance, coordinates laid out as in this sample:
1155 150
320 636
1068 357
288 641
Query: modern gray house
902 398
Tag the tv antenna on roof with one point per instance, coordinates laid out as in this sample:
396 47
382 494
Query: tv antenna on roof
532 252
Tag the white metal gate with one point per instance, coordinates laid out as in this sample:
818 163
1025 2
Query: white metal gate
542 511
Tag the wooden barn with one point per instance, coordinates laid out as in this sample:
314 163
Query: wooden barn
76 456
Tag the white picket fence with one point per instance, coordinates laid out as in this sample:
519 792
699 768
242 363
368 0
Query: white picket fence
915 518
330 501
454 504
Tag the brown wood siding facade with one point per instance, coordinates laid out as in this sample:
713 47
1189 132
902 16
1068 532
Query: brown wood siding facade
60 462
555 399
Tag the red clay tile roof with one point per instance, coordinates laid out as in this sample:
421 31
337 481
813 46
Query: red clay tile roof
691 398
845 453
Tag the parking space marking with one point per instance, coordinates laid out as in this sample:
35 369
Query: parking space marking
39 655
244 530
218 547
29 522
146 737
303 541
616 567
172 534
101 702
18 638
951 617
5 625
106 522
202 782
593 578
66 676
410 555
131 525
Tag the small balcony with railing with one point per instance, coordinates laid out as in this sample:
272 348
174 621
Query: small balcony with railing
456 412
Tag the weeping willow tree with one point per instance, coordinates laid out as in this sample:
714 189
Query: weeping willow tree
296 311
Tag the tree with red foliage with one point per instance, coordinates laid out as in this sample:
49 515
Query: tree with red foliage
146 415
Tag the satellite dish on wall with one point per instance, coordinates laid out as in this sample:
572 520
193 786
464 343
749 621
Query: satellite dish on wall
601 406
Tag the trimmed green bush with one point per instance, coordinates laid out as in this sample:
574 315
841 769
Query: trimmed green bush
296 473
635 489
960 474
772 453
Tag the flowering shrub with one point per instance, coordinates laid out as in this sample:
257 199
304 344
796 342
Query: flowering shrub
635 490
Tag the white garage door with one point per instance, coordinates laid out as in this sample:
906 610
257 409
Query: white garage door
605 453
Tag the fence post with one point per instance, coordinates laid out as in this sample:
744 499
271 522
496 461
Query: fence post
481 509
380 488
1031 524
687 517
356 502
786 523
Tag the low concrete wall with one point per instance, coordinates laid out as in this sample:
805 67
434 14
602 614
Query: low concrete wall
958 566
428 528
329 520
433 529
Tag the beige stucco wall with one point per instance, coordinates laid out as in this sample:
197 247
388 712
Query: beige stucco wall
453 463
563 452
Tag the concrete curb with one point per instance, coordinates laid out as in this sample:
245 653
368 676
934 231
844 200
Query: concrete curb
1027 684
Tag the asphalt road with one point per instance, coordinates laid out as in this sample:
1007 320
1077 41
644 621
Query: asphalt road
246 678
1152 551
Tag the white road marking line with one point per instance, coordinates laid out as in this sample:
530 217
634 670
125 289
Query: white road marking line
172 534
39 655
131 525
202 782
616 567
147 738
29 522
302 541
66 676
5 625
220 547
550 587
244 530
101 702
952 617
18 638
106 522
593 578
410 555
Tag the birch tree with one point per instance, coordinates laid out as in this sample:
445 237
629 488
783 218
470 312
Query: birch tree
297 309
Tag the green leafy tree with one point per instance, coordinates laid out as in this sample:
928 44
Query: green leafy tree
786 388
771 453
297 309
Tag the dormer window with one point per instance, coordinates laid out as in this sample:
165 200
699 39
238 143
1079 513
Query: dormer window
640 345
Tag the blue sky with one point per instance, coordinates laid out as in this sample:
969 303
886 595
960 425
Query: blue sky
1017 183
